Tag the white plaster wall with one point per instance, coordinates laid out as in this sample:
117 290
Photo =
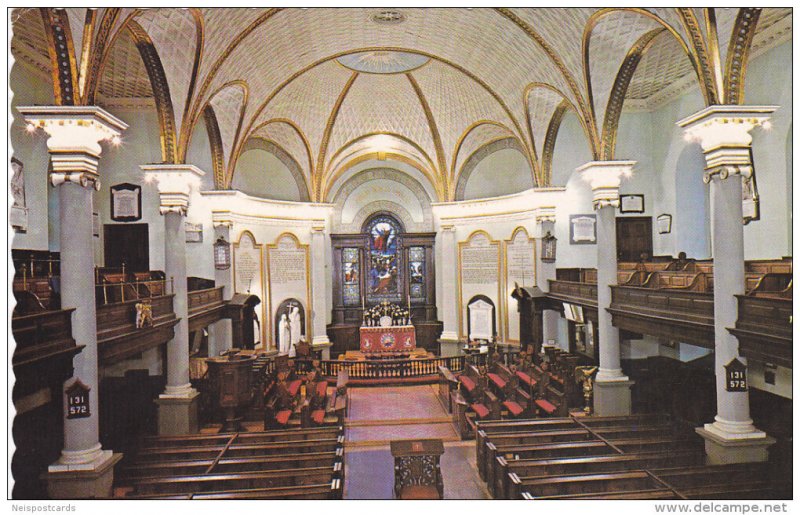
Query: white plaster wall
31 149
381 189
261 174
500 173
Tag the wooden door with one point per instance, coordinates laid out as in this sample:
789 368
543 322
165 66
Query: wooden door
634 237
129 244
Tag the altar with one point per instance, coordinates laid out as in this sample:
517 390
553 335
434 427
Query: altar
397 338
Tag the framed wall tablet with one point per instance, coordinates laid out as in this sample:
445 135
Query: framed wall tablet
664 223
194 233
126 202
631 203
582 229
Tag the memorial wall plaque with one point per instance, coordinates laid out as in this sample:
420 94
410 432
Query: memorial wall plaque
479 271
126 202
288 262
248 275
582 229
520 268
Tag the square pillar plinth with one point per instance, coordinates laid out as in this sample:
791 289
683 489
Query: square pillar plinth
612 398
89 481
720 451
323 348
178 415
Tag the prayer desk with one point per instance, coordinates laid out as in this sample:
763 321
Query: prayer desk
416 468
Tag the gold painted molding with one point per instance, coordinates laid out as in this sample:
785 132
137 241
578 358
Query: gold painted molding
434 130
306 248
260 247
460 289
739 54
326 136
505 286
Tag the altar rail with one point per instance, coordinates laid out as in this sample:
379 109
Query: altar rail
392 370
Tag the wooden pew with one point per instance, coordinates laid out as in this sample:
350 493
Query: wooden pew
228 465
636 495
591 483
448 383
290 435
234 481
332 490
236 450
511 476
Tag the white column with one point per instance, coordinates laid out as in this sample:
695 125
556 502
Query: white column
177 412
449 285
84 469
612 387
724 135
222 329
319 291
546 218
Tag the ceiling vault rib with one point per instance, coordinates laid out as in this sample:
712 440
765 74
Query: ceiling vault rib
319 171
549 146
437 139
739 54
198 58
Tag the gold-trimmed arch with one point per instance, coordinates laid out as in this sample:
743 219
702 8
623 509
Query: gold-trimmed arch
453 178
317 178
695 59
64 71
200 28
462 180
340 170
739 54
457 67
291 123
275 148
546 158
432 127
226 173
616 99
429 172
215 145
160 87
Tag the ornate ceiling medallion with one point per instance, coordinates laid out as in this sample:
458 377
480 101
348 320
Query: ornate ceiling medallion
388 17
383 61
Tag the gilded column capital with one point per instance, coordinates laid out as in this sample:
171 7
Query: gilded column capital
546 214
175 183
723 132
605 177
74 134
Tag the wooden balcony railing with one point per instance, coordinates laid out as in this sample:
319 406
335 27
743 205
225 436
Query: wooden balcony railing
118 337
387 370
672 313
574 292
42 335
764 328
205 307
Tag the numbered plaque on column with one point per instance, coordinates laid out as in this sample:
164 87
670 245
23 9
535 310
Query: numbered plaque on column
78 400
736 376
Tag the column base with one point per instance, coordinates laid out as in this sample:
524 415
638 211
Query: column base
723 447
88 480
325 347
178 415
449 348
449 336
612 397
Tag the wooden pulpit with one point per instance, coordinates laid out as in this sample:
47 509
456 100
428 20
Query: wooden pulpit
417 474
229 378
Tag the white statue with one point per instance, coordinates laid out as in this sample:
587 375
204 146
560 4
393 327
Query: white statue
284 336
295 328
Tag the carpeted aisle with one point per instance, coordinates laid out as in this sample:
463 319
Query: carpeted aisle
381 414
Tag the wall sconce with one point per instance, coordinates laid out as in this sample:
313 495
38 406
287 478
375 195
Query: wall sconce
222 254
549 248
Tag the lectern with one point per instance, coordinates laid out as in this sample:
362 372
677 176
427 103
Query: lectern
416 468
229 378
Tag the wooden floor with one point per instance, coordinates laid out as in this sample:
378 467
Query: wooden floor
380 414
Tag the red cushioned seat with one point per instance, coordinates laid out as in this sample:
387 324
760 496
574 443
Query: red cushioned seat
525 378
322 388
318 416
282 417
294 387
546 405
480 410
468 383
513 407
419 492
496 379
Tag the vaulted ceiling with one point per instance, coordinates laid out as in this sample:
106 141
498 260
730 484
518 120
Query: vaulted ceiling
429 87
